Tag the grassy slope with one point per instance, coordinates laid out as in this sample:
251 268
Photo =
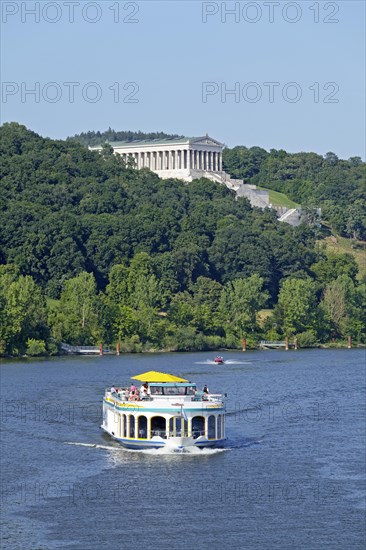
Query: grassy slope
340 245
279 199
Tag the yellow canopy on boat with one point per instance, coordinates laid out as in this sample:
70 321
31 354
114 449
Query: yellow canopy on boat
154 376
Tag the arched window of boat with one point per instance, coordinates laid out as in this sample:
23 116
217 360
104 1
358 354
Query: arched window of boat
211 427
198 426
178 427
123 425
132 425
142 427
158 426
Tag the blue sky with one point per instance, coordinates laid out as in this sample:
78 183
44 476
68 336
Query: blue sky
296 70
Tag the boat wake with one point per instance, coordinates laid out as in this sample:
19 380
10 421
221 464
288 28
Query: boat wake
226 362
186 451
94 445
153 452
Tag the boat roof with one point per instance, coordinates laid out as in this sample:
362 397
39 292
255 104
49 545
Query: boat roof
153 376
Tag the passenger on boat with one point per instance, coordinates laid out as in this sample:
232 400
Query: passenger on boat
134 395
113 389
205 389
144 391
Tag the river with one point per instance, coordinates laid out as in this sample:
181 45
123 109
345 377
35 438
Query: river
292 475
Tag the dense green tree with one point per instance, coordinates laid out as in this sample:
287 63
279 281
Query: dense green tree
296 310
79 311
22 311
240 302
332 265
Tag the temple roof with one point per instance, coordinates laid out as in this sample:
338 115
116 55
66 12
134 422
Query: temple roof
203 140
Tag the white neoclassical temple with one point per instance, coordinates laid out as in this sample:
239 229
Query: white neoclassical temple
184 158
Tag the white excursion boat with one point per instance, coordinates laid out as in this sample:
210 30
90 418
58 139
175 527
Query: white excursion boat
167 412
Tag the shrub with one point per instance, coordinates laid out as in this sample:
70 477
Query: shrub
36 347
306 339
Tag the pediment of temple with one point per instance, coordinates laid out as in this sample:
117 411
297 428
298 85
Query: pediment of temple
206 140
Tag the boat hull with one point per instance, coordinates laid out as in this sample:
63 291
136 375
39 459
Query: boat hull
171 443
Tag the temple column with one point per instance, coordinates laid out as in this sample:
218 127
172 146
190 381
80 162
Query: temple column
188 159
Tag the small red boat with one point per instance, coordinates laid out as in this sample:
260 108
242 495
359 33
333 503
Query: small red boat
219 360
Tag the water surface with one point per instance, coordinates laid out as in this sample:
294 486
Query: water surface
291 476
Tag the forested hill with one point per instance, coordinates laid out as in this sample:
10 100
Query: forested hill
98 138
66 209
91 250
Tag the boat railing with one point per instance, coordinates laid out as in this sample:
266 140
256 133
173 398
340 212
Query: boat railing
121 395
213 397
200 396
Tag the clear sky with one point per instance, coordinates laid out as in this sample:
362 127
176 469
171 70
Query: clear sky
295 70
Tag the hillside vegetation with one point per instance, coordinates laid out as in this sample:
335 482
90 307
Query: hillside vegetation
337 186
92 250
